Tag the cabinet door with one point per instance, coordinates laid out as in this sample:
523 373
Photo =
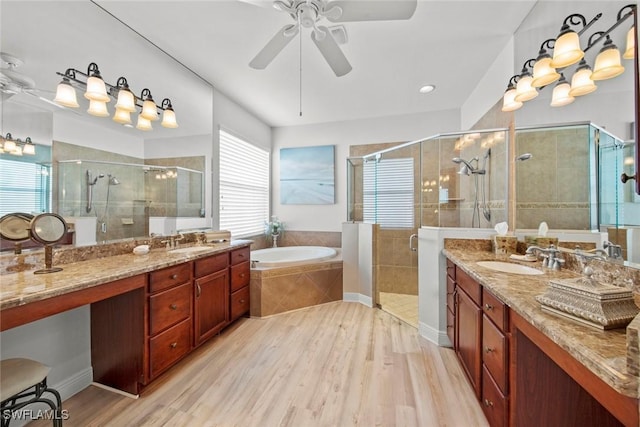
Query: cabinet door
211 305
468 336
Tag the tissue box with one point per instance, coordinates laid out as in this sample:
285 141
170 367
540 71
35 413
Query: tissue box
543 242
505 245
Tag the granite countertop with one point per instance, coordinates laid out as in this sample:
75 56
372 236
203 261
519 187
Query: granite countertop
25 287
602 352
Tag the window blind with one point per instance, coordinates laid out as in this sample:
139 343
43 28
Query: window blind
388 189
244 186
24 187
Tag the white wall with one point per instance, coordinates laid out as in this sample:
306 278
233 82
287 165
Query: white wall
342 135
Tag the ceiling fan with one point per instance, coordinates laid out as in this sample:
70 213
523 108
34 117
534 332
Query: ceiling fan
13 82
309 13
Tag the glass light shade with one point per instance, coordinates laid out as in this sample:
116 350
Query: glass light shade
149 110
29 149
98 108
607 64
9 145
581 83
169 119
143 124
544 73
524 90
509 102
17 151
126 101
566 50
122 116
66 95
1 149
561 95
631 44
96 90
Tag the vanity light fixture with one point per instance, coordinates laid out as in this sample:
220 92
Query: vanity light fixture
524 90
608 62
566 52
543 72
561 96
15 146
99 93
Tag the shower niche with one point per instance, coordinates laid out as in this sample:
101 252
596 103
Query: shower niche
122 197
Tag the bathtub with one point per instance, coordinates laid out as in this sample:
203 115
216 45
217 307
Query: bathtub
294 277
291 255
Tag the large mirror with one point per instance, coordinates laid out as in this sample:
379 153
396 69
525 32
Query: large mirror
586 160
120 179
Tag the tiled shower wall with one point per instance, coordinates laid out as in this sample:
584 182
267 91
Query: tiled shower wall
551 186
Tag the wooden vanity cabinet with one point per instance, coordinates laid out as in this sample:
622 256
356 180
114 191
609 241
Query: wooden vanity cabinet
170 310
240 278
211 296
451 303
495 361
468 327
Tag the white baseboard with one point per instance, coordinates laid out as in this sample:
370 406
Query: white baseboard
434 335
74 384
355 297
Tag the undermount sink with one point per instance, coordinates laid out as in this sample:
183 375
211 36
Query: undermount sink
508 267
189 249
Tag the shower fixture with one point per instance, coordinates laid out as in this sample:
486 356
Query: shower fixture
113 180
525 156
91 181
467 169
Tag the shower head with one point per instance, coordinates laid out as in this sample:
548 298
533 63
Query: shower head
525 156
466 167
92 180
113 180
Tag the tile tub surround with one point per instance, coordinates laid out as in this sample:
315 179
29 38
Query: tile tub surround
25 287
276 290
604 353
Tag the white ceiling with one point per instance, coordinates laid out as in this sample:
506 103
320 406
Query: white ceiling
446 43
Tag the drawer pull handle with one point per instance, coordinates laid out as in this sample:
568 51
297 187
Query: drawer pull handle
488 403
173 345
198 290
241 301
174 276
488 307
242 275
173 307
241 255
488 350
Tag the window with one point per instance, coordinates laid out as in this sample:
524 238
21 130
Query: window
388 192
244 186
24 187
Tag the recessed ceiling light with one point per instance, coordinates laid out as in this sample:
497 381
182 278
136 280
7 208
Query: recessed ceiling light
427 88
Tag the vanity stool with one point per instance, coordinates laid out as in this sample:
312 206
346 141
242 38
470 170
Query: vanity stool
23 382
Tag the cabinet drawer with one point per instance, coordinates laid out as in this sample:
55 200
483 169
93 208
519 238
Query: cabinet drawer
451 269
169 307
169 346
240 255
239 302
494 353
496 310
451 287
451 327
240 275
494 403
168 277
470 286
211 264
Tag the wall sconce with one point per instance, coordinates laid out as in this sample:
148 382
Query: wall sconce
99 93
566 52
15 146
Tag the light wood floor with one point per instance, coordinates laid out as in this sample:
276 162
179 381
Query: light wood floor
337 364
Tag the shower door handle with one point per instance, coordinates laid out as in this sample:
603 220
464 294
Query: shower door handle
411 247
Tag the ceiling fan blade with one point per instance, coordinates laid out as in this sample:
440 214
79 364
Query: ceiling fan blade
274 46
331 51
259 3
372 10
48 101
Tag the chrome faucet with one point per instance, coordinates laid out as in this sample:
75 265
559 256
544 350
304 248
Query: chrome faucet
550 256
613 251
172 243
